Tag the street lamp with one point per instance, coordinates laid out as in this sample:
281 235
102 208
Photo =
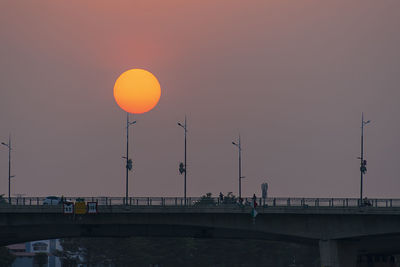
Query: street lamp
363 165
8 145
128 160
238 145
183 166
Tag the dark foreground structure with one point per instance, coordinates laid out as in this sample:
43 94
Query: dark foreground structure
342 232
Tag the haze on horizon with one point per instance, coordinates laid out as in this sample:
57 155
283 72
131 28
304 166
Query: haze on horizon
291 76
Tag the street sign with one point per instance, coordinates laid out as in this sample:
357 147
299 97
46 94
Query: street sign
68 208
80 207
92 207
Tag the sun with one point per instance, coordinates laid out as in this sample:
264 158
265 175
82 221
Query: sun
137 91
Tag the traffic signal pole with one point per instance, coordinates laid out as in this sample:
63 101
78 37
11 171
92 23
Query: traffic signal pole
128 160
363 162
127 157
185 164
8 145
183 169
9 169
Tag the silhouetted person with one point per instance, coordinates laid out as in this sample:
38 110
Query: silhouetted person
221 197
366 202
254 201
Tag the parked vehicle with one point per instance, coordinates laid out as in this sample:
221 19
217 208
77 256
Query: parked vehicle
52 200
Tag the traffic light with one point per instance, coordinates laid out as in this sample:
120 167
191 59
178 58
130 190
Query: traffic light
182 168
363 167
129 164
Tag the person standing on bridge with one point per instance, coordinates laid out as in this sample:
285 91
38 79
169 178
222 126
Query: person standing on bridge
254 201
221 197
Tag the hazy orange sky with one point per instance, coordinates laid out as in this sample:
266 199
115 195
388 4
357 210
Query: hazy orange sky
291 76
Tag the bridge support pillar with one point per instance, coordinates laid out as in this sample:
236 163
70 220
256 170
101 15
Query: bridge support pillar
334 253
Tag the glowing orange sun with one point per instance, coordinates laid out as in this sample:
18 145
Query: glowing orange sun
137 91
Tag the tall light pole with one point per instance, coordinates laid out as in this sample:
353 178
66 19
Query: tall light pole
183 167
8 145
238 145
128 160
363 168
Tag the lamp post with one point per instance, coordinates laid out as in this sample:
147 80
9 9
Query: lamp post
8 145
128 160
183 167
363 168
238 145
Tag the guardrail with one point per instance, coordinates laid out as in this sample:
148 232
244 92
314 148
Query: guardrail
209 201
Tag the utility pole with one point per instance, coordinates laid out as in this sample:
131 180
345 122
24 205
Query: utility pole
363 168
183 169
9 167
128 160
238 145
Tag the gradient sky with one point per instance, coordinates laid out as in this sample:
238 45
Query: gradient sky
291 76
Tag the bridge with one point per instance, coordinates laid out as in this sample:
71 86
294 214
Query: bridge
342 228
